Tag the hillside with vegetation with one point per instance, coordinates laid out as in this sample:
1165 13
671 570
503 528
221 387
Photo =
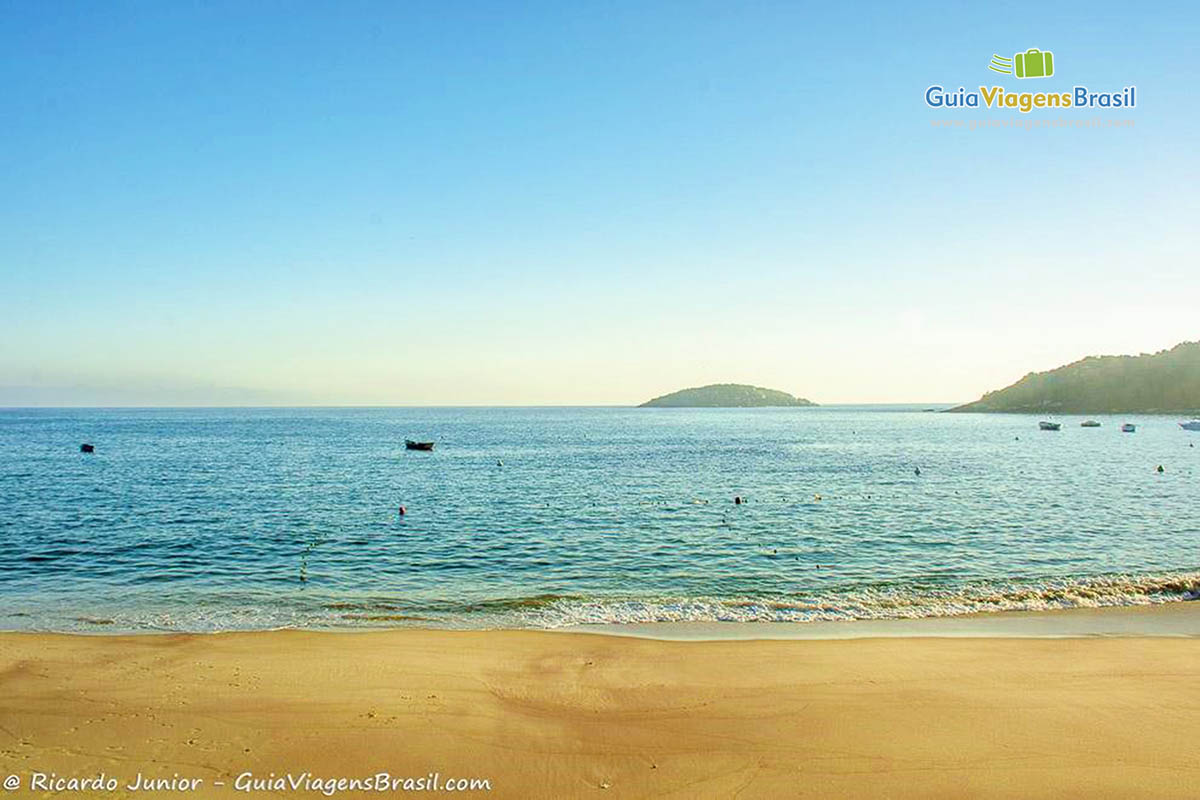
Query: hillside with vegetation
726 395
1158 383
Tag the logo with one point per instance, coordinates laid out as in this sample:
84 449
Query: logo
1033 63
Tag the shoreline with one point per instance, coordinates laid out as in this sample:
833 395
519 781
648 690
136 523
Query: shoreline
1175 617
565 714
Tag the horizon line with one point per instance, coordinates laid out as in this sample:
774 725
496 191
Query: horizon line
451 405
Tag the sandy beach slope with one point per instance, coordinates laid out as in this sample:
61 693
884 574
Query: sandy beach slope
544 715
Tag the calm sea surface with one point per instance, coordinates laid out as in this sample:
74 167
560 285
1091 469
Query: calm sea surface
231 518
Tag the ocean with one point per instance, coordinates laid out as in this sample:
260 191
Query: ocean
233 519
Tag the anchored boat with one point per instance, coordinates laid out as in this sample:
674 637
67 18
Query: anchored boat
1050 426
411 445
1194 425
1091 423
1128 427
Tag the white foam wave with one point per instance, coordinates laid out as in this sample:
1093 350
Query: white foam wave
875 604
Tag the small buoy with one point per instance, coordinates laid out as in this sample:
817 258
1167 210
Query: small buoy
1160 468
737 501
403 511
499 463
87 448
817 497
917 471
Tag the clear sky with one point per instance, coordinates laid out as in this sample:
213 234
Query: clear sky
579 203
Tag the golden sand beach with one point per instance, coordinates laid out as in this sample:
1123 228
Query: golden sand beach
560 715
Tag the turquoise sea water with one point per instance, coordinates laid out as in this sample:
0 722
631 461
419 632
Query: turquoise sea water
214 519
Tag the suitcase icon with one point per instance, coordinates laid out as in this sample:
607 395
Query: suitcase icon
1034 63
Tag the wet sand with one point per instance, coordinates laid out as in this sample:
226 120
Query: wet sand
555 715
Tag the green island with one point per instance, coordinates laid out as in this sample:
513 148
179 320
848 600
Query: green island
1167 382
726 395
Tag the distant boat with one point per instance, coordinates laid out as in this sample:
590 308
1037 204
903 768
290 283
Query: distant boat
87 448
1090 423
411 445
1194 425
1128 427
1050 426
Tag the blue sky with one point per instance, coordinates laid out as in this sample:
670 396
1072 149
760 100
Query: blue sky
473 203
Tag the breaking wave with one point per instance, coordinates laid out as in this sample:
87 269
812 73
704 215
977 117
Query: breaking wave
878 603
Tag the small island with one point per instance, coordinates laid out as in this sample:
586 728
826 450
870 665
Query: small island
1167 382
726 395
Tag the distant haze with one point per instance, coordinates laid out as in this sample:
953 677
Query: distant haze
575 204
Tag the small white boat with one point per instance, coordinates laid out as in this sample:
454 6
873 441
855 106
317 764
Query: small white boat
1128 427
1050 426
1194 425
1090 423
